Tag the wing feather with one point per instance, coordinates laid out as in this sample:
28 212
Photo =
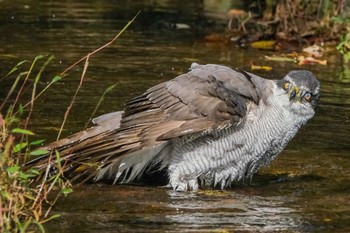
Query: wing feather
206 99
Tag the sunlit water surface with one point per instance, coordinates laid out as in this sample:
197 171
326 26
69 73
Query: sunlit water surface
305 190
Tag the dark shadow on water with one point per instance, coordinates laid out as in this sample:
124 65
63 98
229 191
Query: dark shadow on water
266 179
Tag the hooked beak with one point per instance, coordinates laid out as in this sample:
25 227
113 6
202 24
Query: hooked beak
293 93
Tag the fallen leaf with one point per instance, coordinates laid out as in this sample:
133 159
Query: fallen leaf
314 50
278 58
255 67
214 38
264 44
236 12
302 60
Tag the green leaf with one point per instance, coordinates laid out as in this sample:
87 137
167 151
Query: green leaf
16 67
20 109
38 57
108 89
33 171
56 79
46 220
18 147
339 19
66 191
40 226
24 176
37 142
39 152
6 195
29 196
58 159
22 131
21 62
13 169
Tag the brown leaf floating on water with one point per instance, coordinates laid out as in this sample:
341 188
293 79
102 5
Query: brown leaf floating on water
215 37
236 13
302 60
314 51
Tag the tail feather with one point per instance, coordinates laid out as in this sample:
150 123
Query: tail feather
128 167
104 151
105 123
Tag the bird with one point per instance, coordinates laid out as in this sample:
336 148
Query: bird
210 127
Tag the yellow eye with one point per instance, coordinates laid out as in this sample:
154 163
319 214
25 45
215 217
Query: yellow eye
307 97
286 85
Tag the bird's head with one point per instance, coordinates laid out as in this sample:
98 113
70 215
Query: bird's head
302 90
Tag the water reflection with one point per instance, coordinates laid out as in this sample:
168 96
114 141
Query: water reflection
227 210
312 188
133 208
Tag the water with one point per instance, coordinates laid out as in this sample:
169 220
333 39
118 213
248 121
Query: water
306 189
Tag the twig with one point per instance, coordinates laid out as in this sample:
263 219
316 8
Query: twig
37 78
102 47
57 78
54 80
13 87
99 103
75 95
85 68
86 58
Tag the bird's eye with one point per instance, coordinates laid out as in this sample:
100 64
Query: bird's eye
286 85
307 97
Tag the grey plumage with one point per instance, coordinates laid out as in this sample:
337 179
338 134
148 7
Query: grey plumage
209 127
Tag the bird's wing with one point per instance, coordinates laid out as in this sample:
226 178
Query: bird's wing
208 98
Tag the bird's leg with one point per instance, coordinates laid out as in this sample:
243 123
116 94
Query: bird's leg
180 181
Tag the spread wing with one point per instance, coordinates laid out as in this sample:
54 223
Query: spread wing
123 144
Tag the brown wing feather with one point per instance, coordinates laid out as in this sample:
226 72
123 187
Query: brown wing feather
207 98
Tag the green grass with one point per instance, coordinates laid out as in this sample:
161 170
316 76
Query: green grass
344 40
21 201
26 197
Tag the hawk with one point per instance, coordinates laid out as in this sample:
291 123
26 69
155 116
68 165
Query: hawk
209 127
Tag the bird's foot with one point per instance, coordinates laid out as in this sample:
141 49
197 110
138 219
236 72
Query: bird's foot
184 185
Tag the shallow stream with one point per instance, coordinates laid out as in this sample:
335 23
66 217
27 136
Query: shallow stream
306 189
